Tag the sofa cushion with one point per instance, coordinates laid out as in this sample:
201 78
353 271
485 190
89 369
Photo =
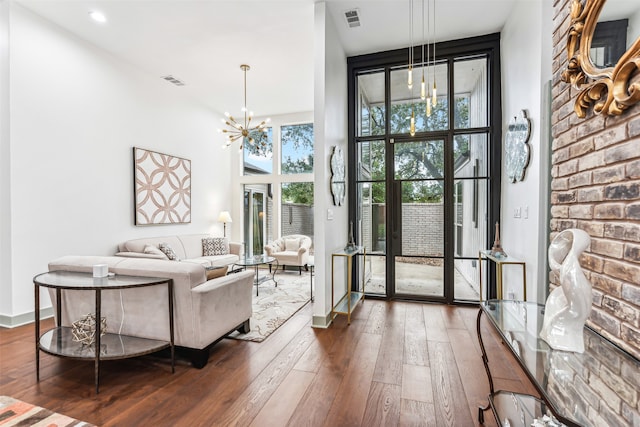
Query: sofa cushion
288 258
191 244
154 250
200 261
215 246
166 249
215 260
291 244
162 256
83 263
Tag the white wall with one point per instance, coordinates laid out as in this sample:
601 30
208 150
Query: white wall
330 126
5 176
76 113
525 42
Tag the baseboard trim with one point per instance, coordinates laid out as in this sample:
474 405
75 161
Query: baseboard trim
322 322
25 318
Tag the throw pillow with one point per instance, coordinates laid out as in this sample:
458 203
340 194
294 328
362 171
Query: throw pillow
215 246
291 245
166 249
152 250
214 273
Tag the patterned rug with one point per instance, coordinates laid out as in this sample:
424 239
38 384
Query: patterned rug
275 305
15 412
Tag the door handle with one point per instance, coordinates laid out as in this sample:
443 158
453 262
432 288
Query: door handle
397 202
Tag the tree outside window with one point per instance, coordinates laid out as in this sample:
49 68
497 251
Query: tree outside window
297 148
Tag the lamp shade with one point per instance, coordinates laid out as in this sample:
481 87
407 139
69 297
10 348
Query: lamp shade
224 217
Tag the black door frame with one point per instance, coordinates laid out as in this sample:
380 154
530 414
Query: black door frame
488 45
394 217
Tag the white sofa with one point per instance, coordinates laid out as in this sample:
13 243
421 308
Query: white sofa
188 248
204 310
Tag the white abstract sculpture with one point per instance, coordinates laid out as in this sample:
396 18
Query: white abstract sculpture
567 306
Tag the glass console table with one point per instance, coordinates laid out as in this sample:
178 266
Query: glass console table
597 387
350 300
500 263
106 346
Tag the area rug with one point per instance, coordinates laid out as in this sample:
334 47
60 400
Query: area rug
275 305
15 412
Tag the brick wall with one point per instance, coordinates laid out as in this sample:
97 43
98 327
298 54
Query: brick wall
417 238
595 186
603 390
297 219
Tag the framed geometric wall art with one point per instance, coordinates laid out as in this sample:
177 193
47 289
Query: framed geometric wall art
162 188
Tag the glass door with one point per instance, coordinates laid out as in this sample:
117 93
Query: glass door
427 169
418 218
254 221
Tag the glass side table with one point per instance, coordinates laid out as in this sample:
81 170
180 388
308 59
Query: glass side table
108 346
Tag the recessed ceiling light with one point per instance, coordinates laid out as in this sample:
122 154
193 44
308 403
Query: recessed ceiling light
98 16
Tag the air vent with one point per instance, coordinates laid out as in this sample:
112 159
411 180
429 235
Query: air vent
173 80
353 20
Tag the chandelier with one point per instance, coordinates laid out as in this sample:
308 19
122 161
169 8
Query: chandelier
430 100
243 131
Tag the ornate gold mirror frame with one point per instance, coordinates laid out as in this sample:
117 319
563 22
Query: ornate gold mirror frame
607 90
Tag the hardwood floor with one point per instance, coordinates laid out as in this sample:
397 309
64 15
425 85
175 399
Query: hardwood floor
397 364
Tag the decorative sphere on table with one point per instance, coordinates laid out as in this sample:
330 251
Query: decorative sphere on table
84 330
567 306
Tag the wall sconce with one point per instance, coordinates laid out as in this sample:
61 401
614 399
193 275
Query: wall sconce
224 218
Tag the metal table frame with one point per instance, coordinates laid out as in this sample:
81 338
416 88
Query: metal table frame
257 261
86 282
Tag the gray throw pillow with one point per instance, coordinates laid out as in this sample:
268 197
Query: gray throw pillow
166 249
215 246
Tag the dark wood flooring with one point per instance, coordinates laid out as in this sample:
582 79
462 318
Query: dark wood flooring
397 364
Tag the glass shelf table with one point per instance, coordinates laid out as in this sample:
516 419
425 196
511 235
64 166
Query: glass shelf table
106 346
351 298
500 263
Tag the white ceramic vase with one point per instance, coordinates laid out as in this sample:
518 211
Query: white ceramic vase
568 305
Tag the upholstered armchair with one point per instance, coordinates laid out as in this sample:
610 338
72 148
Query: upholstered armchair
290 250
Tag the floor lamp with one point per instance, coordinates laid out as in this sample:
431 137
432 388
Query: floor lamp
224 218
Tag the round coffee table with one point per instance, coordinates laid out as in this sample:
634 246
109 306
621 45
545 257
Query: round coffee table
256 261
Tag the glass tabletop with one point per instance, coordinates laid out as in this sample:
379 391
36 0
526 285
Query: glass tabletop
348 252
79 280
500 259
576 384
60 342
247 261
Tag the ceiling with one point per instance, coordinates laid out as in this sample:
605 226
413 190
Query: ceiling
203 42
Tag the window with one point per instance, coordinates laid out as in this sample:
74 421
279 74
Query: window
258 158
277 178
440 184
297 208
297 148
